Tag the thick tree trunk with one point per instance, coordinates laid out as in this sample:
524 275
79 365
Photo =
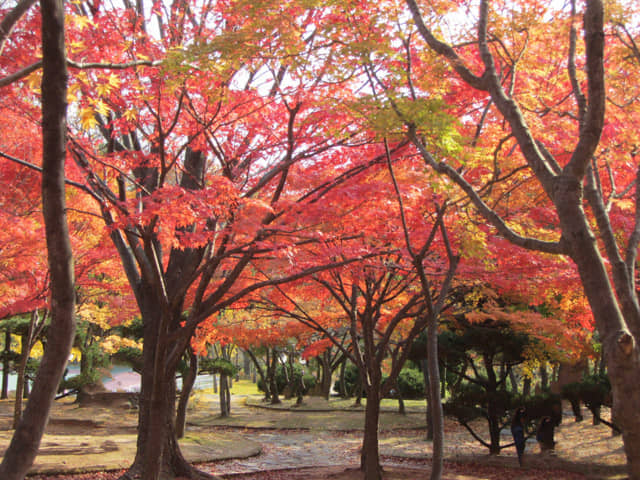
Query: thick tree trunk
370 456
187 386
158 454
26 439
621 348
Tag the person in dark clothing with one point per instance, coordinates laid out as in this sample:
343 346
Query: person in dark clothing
517 430
545 434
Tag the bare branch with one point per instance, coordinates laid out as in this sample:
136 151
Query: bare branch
14 77
81 186
591 128
444 49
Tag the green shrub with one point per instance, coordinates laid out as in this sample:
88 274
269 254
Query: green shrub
411 383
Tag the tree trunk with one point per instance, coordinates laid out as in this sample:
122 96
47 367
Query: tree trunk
272 363
427 395
158 454
225 396
370 457
6 364
514 381
342 384
21 380
621 349
26 439
326 375
187 386
246 366
401 407
544 377
258 369
437 415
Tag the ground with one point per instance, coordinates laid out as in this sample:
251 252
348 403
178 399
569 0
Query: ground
317 441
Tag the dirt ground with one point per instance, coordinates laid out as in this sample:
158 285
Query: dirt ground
242 447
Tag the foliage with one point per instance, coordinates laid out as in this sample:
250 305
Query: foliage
220 366
285 377
411 383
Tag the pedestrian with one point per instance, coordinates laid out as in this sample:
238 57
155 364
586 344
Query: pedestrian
545 434
517 430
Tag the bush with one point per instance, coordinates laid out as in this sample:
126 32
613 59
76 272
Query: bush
78 382
546 404
288 378
411 383
351 380
594 391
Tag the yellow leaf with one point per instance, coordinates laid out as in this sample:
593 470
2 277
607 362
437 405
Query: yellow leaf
87 118
81 22
101 107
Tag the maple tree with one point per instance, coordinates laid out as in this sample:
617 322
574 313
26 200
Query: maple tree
544 121
197 176
382 303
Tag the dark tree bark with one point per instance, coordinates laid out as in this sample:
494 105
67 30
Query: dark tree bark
437 414
36 323
187 386
6 364
25 442
370 456
427 395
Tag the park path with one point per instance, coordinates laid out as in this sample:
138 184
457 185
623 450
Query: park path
293 449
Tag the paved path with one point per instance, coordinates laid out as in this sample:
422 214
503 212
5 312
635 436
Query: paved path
292 449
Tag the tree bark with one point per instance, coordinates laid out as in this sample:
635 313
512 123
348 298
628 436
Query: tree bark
437 414
21 381
6 364
427 395
370 457
26 439
187 386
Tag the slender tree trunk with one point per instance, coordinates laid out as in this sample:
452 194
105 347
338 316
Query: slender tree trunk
271 374
342 382
514 381
21 381
544 377
437 415
258 369
26 439
187 386
401 407
225 396
427 395
6 364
